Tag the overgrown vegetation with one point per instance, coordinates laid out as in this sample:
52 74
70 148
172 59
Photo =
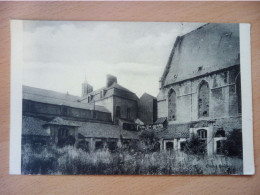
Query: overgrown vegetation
233 146
71 160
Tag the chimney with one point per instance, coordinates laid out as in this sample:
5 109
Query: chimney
111 80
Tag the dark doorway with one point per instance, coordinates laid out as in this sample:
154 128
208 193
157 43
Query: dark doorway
99 145
220 147
169 146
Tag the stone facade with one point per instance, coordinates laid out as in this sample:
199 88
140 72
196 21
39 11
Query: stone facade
147 109
200 86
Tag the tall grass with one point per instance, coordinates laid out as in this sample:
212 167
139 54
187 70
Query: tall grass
69 160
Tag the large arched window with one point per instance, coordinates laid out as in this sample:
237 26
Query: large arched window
238 92
172 105
203 101
118 111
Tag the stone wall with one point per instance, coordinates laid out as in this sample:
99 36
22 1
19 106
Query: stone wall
147 109
223 96
124 104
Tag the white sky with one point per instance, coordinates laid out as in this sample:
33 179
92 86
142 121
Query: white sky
58 55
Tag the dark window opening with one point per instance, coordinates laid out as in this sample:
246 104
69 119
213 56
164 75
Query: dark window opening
99 145
128 113
203 100
220 144
94 114
118 111
112 146
182 146
63 132
220 133
65 111
202 133
172 105
169 146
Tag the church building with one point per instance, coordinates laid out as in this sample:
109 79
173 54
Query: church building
200 91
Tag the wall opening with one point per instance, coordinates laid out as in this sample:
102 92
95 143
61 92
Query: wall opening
169 146
203 100
118 111
172 105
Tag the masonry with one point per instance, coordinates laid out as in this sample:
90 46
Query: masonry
200 87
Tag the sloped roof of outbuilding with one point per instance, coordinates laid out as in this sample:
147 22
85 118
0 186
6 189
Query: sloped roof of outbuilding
57 98
100 130
209 48
62 122
33 126
174 131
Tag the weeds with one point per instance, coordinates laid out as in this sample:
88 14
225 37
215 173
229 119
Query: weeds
70 160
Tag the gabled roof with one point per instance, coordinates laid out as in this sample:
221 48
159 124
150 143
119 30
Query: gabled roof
114 90
33 126
146 95
62 122
49 93
207 49
174 131
56 98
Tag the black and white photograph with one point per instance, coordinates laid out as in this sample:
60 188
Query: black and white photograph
130 98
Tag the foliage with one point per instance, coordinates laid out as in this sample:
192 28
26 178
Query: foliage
148 141
233 145
194 145
71 160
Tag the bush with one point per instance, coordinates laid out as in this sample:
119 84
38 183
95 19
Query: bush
70 160
149 142
194 145
233 145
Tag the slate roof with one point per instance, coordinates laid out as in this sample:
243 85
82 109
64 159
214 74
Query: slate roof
127 121
62 122
174 131
99 130
33 126
146 96
209 48
53 97
114 90
160 120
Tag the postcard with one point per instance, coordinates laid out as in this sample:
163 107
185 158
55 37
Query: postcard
130 98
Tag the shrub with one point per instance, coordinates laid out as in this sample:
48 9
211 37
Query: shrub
149 142
194 145
71 160
233 144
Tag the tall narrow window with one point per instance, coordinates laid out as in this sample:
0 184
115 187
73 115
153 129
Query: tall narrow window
238 92
118 111
172 105
203 101
128 113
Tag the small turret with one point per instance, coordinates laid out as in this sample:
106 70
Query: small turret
86 88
